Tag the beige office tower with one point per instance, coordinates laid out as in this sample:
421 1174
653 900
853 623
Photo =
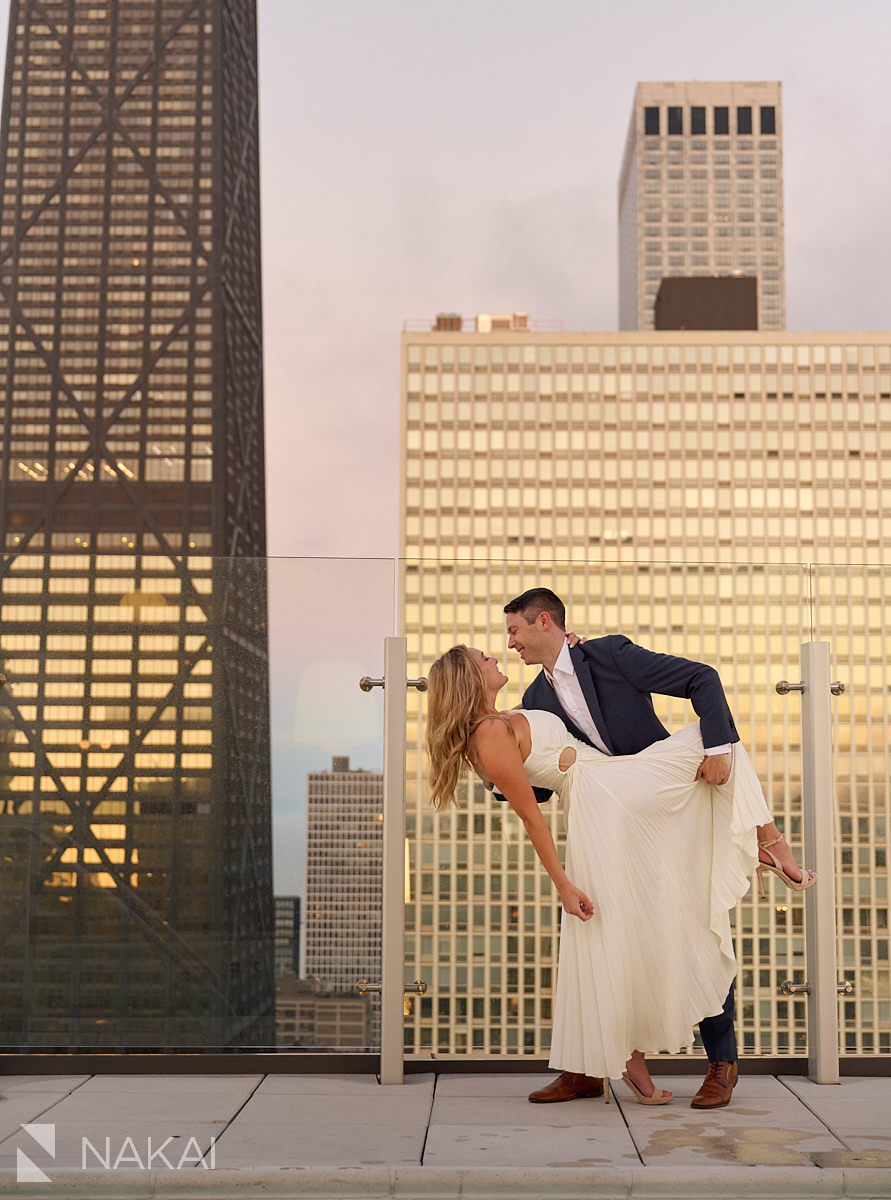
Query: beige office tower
701 193
710 495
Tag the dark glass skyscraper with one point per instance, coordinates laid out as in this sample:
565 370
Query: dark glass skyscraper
136 895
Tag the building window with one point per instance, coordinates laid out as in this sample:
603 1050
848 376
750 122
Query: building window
651 121
722 121
697 120
744 119
768 119
675 121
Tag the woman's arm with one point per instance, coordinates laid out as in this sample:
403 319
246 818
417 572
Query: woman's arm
499 759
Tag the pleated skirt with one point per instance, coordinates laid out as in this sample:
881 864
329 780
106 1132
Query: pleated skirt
664 860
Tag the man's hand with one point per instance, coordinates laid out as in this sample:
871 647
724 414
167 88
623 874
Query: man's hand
714 768
574 640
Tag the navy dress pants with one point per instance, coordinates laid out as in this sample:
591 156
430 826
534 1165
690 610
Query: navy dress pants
717 1033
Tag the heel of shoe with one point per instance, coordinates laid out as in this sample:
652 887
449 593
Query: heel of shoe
606 1090
762 890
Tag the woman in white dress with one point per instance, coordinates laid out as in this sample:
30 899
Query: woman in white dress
655 860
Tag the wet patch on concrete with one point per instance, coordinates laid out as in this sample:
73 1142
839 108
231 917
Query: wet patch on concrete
743 1145
852 1158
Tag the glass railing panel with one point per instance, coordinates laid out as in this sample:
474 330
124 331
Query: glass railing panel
329 619
852 606
482 920
163 722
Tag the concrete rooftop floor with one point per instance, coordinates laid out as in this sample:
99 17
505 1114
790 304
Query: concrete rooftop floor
473 1135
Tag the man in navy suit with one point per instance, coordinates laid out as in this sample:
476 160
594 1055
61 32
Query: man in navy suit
601 690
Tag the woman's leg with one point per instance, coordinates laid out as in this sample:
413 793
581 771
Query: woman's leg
768 833
636 1067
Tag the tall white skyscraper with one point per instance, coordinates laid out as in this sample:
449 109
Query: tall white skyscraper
701 193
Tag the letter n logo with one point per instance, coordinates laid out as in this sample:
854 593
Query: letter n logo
27 1171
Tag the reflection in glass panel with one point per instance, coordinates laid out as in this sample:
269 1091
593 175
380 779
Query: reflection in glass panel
137 901
136 906
853 614
328 622
476 889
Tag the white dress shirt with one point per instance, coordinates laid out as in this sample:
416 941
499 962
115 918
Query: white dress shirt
566 684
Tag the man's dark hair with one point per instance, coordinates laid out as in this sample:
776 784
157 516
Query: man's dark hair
537 600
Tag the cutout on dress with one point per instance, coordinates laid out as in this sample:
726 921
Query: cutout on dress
566 759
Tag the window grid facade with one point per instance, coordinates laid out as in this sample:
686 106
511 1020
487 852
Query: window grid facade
287 936
344 873
704 494
136 803
702 203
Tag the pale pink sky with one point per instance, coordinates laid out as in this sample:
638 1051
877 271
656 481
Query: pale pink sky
419 157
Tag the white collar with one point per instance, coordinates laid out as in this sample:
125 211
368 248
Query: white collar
563 664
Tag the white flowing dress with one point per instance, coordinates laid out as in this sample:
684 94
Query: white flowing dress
663 858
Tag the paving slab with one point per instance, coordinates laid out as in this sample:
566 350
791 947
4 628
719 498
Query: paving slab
20 1107
855 1110
358 1123
483 1120
867 1116
146 1104
349 1143
384 1107
770 1129
502 1145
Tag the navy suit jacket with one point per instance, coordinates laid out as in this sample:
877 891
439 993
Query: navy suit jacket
617 678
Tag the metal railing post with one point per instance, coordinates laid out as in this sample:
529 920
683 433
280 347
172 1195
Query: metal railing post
391 987
392 942
819 855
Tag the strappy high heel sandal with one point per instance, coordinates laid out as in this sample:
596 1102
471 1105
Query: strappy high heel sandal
796 885
658 1096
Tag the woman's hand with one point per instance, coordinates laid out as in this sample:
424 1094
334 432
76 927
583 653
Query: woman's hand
576 903
575 639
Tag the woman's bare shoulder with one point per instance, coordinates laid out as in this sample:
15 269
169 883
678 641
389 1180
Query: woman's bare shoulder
491 726
500 729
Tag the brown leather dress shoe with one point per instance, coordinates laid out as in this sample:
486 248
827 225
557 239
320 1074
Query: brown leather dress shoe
717 1087
568 1086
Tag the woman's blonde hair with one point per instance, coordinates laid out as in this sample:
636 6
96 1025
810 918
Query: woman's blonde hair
456 696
